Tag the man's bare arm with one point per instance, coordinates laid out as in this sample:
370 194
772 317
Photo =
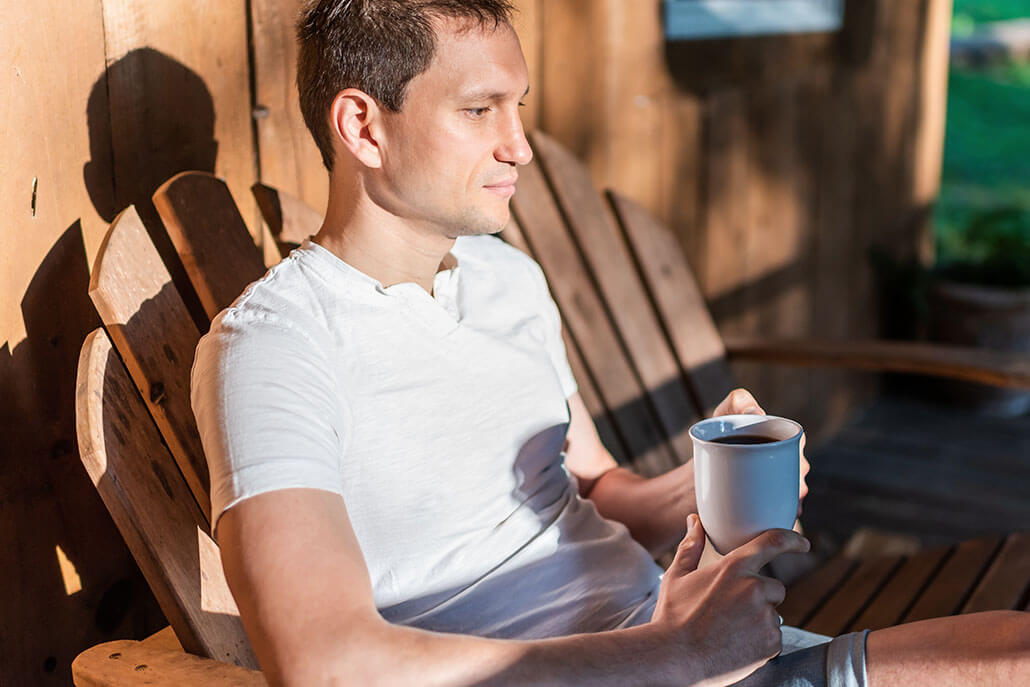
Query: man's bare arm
305 598
654 510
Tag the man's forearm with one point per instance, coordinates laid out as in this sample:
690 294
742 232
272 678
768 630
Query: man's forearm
654 509
395 655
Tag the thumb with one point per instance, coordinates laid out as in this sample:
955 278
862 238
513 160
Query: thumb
688 554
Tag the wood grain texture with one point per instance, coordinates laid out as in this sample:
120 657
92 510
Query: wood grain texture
850 598
805 596
901 591
999 368
587 320
289 219
528 25
598 239
210 237
67 581
163 639
179 83
125 663
1007 580
288 157
153 507
681 306
956 579
149 324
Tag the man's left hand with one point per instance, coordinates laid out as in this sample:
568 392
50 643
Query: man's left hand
741 402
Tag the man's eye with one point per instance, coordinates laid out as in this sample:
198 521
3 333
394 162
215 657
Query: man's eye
477 111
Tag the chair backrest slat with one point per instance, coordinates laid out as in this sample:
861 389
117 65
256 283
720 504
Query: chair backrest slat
679 301
290 220
588 323
152 329
153 508
209 234
598 238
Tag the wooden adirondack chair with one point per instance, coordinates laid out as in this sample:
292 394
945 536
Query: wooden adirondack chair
641 342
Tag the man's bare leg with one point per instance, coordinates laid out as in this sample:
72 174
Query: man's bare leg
990 648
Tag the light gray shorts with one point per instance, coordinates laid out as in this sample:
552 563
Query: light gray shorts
812 660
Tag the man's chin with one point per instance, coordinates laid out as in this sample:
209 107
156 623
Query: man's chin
480 224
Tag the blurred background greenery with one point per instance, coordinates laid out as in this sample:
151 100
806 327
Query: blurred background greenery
982 220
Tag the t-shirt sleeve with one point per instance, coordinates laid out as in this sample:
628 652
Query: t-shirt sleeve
267 410
553 334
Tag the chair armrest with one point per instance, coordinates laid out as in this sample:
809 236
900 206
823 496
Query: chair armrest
998 368
125 663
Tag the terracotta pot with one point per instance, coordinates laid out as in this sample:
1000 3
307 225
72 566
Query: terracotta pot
987 317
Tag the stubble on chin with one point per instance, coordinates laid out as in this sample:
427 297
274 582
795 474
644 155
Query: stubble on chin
475 223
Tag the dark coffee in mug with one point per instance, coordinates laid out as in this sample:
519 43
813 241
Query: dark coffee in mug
745 439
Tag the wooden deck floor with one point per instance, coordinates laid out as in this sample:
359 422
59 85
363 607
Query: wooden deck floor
936 473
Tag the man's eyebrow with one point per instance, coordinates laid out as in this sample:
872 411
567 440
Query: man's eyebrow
490 95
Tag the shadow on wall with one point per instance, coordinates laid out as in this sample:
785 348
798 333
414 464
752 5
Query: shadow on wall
149 117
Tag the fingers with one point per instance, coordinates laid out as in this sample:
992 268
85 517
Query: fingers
773 591
688 554
767 546
739 401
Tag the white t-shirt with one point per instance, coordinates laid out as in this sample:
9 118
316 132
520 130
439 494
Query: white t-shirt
440 419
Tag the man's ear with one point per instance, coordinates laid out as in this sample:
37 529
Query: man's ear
355 118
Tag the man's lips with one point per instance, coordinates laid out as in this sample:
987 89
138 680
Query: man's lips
503 187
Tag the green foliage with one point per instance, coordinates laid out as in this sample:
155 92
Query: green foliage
993 250
967 14
982 218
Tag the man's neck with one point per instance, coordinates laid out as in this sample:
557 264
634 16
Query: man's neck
382 245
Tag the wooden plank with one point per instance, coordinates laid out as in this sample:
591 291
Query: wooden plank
850 598
125 662
956 579
153 507
290 220
778 248
805 596
684 313
528 26
901 591
179 83
288 157
1006 582
210 237
1000 368
584 315
932 103
599 240
156 338
638 93
68 579
573 44
163 639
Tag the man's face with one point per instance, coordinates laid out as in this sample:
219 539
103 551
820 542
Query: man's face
450 155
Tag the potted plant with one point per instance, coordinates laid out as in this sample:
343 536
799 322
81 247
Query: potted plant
979 295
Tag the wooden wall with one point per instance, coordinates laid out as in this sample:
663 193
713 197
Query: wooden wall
778 161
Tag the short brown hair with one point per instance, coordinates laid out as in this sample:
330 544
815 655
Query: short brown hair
376 46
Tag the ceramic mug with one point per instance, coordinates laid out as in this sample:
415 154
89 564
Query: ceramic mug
747 476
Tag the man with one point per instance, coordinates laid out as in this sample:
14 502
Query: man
407 488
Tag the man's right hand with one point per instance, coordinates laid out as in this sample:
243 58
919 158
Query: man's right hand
724 616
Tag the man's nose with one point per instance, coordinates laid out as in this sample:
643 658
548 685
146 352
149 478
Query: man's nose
514 148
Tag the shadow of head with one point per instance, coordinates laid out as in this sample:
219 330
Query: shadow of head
149 117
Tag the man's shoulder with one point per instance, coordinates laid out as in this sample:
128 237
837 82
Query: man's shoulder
288 300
